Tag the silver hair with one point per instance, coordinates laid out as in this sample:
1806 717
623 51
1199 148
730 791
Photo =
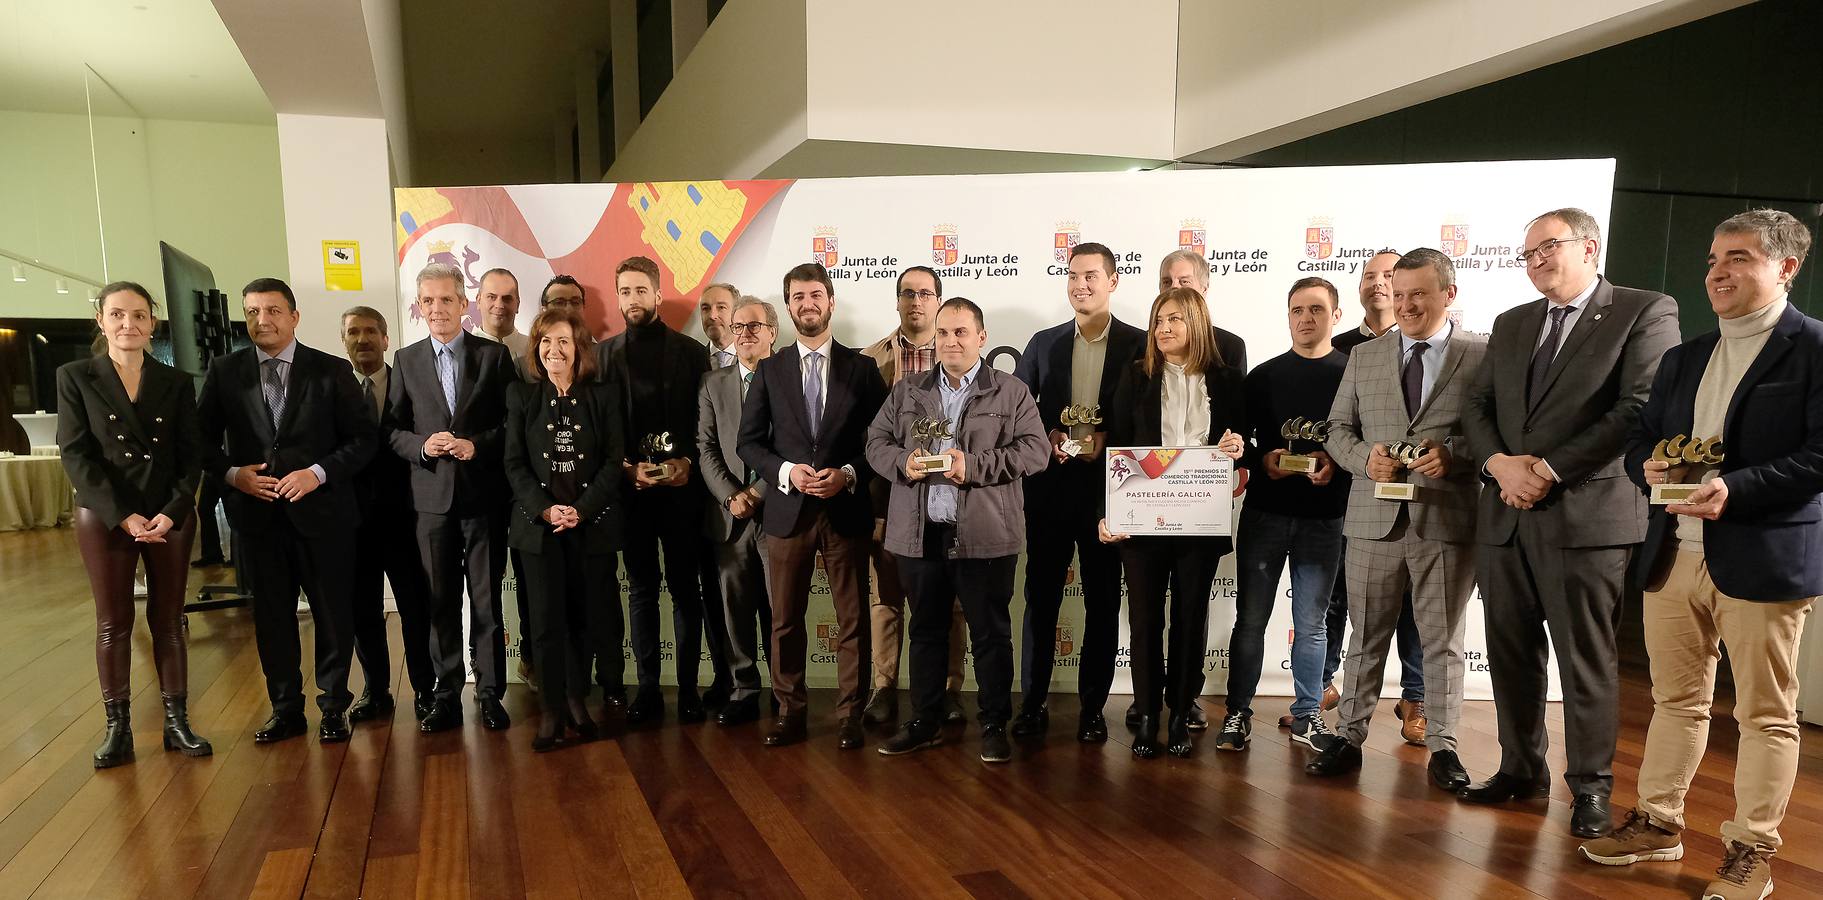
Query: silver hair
772 314
1781 233
438 272
1582 225
1196 260
733 292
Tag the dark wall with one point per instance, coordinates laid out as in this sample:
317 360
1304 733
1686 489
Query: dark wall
1703 121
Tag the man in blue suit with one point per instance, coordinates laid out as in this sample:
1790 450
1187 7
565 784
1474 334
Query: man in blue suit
1740 561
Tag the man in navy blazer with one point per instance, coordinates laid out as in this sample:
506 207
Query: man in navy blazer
804 430
446 417
1076 364
284 426
1740 561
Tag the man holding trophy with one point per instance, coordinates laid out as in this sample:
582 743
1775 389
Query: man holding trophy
956 519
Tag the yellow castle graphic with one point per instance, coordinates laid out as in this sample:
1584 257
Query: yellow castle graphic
687 222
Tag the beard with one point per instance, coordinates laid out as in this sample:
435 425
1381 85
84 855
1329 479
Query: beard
811 329
638 315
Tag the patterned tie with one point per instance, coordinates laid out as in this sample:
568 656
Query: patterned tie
1414 379
272 384
446 373
813 393
1547 351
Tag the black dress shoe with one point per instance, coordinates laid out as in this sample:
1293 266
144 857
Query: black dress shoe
739 712
1502 788
1447 772
1092 729
443 716
911 737
207 563
493 715
545 743
690 708
422 703
372 708
1133 715
953 713
613 700
1590 817
716 696
281 726
850 735
1197 721
995 748
1339 758
648 708
333 729
1032 722
1145 737
786 730
1177 733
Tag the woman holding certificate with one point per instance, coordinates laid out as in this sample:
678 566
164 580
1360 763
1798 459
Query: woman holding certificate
1180 394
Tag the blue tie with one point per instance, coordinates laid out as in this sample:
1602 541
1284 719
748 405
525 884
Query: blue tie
446 373
813 393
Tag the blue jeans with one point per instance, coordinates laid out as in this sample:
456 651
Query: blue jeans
1262 543
1411 652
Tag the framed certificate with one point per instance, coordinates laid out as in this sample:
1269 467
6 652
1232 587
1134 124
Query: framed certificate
1169 490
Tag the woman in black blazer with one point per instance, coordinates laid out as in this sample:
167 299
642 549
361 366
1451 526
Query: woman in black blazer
1180 394
126 424
563 450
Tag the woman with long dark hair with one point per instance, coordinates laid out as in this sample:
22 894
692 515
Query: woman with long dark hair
126 425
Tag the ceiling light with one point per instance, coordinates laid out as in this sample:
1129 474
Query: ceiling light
18 272
62 287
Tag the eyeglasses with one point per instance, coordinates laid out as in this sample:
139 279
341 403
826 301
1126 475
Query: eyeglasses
909 294
748 327
1546 249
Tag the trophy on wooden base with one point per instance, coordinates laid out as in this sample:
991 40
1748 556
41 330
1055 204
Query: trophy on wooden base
925 433
1404 453
657 447
1079 415
1685 454
1301 429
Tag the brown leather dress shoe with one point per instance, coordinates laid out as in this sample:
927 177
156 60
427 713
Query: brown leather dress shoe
849 735
786 730
1411 715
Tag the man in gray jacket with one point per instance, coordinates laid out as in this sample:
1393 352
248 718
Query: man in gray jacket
956 527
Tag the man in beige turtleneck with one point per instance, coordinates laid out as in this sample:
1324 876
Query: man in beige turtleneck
1740 562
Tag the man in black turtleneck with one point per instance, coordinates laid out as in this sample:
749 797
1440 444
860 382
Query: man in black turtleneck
659 371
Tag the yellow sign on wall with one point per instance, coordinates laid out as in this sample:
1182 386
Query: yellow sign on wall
342 265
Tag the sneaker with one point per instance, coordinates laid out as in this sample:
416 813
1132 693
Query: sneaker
882 707
911 737
1237 729
1746 874
1312 732
995 748
1636 839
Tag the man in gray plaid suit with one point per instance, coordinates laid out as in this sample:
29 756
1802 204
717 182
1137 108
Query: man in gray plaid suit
1408 387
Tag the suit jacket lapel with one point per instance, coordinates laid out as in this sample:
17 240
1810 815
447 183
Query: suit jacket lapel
836 397
790 403
1452 358
254 396
1587 322
728 417
297 388
1516 360
465 379
109 385
1778 343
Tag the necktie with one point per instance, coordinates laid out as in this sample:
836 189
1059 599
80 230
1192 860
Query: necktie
723 359
368 395
273 386
446 373
746 382
813 392
1413 379
1547 351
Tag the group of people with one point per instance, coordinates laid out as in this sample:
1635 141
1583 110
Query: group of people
1520 461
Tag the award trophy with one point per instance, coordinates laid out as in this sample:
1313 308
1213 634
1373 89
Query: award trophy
657 447
1079 415
1685 455
1301 429
926 432
1404 453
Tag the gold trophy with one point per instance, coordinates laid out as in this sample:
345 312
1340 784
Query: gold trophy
1079 415
1685 454
1404 453
1301 429
657 447
926 432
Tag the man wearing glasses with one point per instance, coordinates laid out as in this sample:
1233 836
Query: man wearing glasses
562 290
910 350
1547 422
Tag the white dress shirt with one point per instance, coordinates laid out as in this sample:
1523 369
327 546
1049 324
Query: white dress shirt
1433 356
1183 408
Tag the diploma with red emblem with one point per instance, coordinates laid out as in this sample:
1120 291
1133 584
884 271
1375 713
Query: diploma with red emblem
1169 490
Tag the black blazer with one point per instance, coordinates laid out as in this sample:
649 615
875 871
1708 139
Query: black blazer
774 429
1232 348
1138 420
1768 544
680 379
1045 369
416 410
325 423
125 458
600 446
383 487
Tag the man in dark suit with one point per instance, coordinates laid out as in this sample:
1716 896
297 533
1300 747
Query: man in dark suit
1077 364
1740 561
447 417
804 430
283 425
1187 268
385 548
1564 379
660 372
737 495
